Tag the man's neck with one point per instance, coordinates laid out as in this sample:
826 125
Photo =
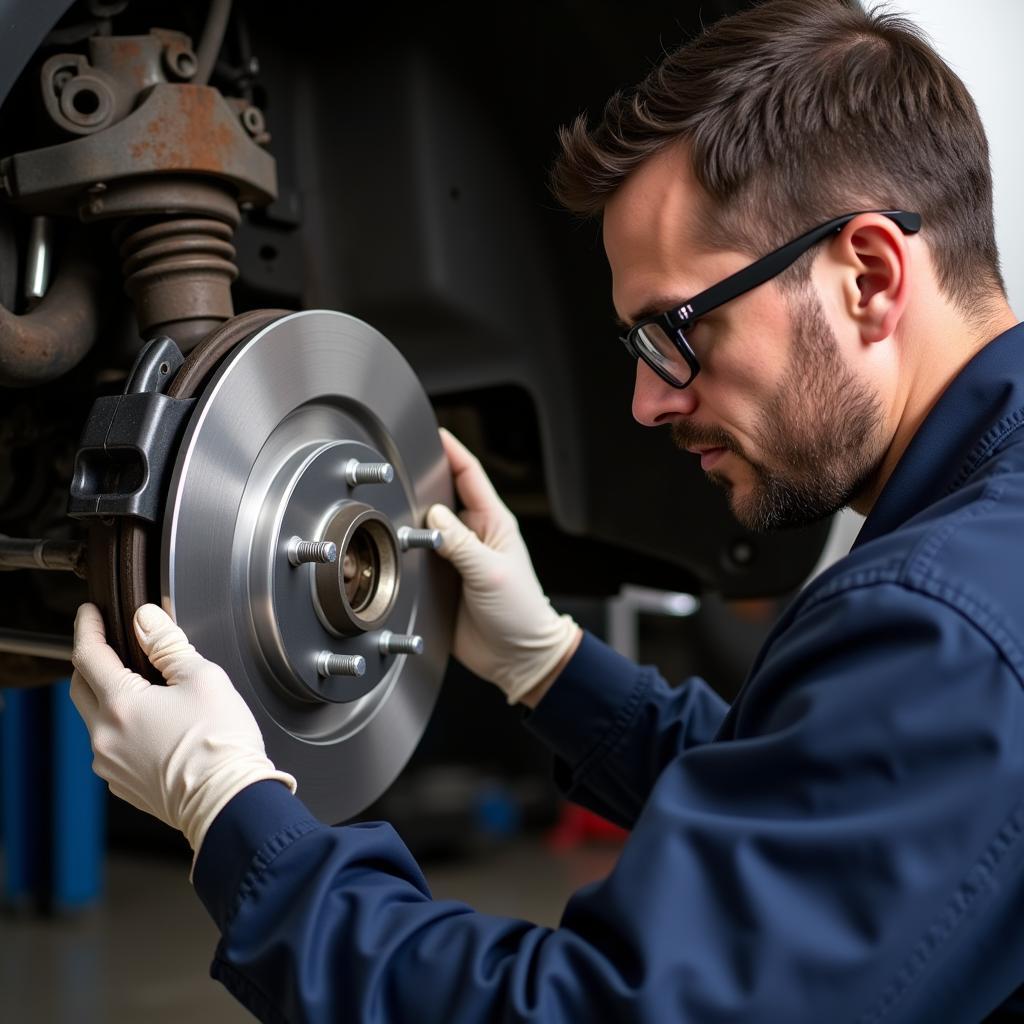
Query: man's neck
941 355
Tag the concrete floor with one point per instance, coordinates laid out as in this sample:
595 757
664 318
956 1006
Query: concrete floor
144 954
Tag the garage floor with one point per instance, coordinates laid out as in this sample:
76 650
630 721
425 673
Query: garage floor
144 955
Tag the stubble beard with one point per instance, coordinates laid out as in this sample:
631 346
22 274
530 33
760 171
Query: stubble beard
822 429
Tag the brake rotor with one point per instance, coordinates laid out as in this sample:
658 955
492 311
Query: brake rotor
324 653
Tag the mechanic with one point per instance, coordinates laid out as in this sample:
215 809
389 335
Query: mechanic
845 841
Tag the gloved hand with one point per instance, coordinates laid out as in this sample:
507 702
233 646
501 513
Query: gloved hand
180 751
506 630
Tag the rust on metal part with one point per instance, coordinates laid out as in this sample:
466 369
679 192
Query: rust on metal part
124 49
178 272
177 129
175 239
55 336
190 133
135 58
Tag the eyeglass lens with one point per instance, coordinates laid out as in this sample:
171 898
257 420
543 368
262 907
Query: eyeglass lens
657 348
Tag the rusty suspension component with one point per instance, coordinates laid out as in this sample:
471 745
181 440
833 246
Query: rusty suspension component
163 157
179 273
175 237
54 337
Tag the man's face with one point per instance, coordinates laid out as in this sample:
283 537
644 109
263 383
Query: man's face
776 415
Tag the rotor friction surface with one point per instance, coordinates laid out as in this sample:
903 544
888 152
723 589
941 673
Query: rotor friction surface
301 387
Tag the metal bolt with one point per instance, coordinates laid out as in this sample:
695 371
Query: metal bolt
357 472
328 664
410 538
253 121
400 643
300 551
185 63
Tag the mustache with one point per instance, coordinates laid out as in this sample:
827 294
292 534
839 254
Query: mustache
689 435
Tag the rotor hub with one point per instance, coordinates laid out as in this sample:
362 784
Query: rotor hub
302 611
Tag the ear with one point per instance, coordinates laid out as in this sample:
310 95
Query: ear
873 259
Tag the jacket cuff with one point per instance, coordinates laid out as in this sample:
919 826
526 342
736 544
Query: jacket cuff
245 825
586 700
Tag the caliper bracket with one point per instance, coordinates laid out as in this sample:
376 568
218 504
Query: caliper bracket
127 449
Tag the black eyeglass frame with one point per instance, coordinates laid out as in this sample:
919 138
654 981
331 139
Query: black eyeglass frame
675 321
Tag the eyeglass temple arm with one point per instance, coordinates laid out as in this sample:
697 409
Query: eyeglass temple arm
775 262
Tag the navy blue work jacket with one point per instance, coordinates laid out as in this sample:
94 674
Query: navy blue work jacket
843 844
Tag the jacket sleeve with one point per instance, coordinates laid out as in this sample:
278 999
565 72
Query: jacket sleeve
614 725
836 858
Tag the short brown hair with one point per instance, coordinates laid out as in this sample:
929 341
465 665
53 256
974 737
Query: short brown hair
796 111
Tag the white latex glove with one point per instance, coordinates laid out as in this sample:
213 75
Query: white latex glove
506 630
179 752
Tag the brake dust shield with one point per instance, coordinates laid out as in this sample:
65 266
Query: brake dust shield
269 458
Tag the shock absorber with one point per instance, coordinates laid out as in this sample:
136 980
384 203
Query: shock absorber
178 272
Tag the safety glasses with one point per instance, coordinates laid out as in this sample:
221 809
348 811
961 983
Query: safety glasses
660 339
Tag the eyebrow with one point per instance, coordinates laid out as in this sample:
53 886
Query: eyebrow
659 305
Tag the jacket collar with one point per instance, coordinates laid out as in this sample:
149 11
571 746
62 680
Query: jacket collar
984 401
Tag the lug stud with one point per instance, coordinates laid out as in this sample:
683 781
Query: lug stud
328 664
400 643
300 551
357 472
410 538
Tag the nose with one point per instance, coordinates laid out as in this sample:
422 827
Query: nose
655 402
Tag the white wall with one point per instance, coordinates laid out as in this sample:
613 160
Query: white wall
981 41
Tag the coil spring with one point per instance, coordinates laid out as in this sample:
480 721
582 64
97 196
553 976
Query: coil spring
178 272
